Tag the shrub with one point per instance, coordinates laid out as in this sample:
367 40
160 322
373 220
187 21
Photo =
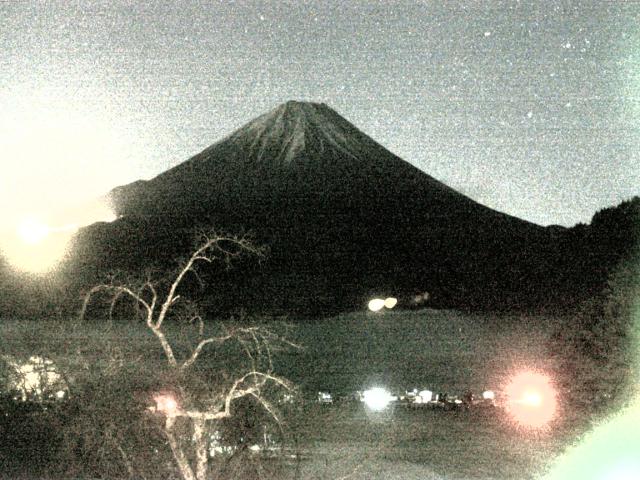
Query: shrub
597 347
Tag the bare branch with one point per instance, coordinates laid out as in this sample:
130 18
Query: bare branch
195 257
196 352
258 345
113 304
198 318
236 392
201 443
148 285
266 405
166 346
117 290
203 258
203 254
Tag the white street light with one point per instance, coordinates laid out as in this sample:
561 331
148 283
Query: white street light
377 399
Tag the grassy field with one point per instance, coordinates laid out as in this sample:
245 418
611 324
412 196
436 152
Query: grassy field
347 440
440 350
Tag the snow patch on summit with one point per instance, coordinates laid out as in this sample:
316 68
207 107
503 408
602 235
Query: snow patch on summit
294 127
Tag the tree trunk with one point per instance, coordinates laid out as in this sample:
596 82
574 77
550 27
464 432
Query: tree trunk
201 444
183 464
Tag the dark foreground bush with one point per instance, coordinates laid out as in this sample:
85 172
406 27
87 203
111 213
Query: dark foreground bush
597 348
102 430
30 435
108 431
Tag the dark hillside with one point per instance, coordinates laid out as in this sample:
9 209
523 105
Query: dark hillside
589 254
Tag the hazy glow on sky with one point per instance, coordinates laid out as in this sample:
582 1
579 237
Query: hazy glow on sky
61 153
36 244
63 160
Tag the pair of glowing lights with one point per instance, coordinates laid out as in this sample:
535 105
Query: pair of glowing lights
377 304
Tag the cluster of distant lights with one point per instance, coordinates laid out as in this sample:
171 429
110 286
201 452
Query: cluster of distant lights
378 398
35 379
529 396
530 399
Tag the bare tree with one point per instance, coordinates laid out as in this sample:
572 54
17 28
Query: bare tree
197 409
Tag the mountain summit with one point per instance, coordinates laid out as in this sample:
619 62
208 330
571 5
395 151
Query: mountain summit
343 218
297 148
294 127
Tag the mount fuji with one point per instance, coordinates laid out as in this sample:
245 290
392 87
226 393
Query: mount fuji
342 216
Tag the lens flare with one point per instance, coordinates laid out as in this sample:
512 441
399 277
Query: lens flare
531 399
33 246
608 452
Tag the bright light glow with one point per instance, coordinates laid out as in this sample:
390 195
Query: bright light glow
608 452
36 378
37 246
59 152
32 231
166 404
33 246
488 395
325 397
628 469
425 396
377 399
376 304
390 302
531 399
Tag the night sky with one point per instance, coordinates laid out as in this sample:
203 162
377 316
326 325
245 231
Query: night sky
532 108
